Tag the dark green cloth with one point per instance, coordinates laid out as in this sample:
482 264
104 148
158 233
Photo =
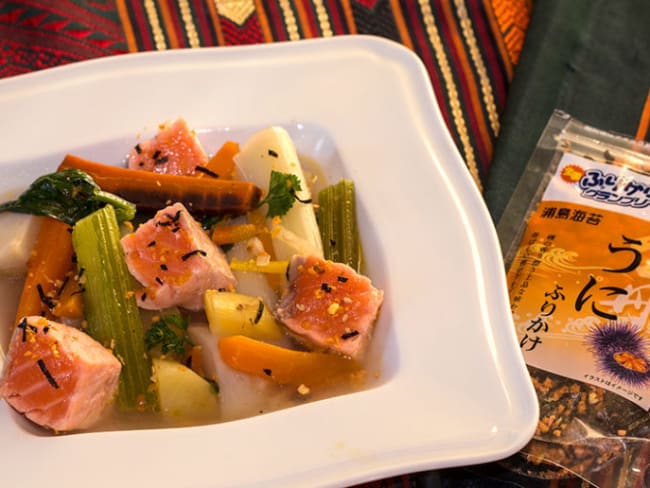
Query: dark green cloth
590 58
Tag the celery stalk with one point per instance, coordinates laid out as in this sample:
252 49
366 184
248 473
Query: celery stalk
337 220
326 224
110 308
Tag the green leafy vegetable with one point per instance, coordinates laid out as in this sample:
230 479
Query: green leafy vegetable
69 196
170 333
282 193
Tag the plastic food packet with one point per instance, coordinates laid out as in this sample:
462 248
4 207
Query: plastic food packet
578 259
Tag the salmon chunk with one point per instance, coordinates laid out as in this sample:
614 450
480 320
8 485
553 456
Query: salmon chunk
175 150
175 261
329 306
58 376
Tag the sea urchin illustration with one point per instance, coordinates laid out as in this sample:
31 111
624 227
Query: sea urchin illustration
621 351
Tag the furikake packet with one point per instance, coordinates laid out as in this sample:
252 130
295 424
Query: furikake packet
578 256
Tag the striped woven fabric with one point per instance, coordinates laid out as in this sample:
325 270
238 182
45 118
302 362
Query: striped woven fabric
469 47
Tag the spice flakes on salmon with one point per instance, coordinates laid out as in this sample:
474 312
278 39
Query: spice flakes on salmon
58 376
175 261
174 150
329 306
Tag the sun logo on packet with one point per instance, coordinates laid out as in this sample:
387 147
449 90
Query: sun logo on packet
572 173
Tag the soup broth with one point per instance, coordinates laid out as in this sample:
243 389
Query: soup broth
240 395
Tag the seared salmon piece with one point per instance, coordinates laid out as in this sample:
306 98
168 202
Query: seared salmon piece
175 261
175 150
58 376
329 306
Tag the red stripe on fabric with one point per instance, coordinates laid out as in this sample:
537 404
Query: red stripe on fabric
79 33
276 20
67 12
369 4
216 22
127 27
55 25
206 34
137 31
173 26
22 56
310 18
302 22
349 16
13 16
489 7
179 26
68 45
264 21
492 56
476 105
33 21
248 33
336 17
462 84
141 26
25 48
400 23
424 51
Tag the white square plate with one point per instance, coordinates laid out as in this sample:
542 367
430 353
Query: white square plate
453 387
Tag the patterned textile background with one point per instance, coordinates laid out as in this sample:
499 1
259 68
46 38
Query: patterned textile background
469 47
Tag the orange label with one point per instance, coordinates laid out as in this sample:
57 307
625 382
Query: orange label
580 282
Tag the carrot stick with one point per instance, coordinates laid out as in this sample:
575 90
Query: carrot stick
150 190
51 259
284 366
229 234
222 163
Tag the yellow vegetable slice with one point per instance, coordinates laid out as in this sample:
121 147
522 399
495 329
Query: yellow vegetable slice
233 313
272 267
183 393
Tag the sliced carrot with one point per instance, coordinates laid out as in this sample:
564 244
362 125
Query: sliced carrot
229 234
285 366
150 190
222 163
46 269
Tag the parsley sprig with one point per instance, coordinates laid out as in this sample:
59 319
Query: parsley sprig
170 333
282 194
